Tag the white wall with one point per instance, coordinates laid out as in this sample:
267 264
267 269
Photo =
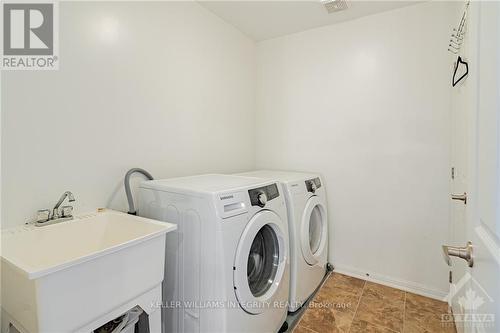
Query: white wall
164 86
366 103
171 88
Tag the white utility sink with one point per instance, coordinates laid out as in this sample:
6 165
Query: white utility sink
61 277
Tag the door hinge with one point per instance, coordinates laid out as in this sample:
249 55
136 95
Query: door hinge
450 277
452 172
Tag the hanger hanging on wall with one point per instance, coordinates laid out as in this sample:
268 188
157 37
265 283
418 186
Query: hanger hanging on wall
455 80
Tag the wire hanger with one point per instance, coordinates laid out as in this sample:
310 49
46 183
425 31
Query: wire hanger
455 81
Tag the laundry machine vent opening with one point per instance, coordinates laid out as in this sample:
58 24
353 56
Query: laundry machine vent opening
333 6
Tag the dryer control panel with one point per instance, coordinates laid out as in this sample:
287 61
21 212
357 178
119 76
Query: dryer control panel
313 184
260 196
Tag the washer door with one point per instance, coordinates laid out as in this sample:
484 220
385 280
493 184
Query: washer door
260 262
313 231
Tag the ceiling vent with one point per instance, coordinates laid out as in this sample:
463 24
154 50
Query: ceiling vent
333 6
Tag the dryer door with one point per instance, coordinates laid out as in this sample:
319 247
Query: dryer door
260 262
313 230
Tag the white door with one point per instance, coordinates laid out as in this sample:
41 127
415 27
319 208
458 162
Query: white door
260 262
477 303
460 116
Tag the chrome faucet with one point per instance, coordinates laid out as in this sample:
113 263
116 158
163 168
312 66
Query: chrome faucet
65 213
55 210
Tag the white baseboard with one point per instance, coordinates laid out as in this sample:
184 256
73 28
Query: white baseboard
409 286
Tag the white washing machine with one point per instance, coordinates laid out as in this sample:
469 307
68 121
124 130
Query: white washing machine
227 265
308 226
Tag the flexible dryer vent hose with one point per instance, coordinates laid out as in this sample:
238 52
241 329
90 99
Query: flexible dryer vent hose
130 199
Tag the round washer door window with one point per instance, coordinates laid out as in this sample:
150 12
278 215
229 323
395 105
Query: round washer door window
314 230
260 262
263 261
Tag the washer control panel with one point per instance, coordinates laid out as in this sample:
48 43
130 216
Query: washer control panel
260 196
313 184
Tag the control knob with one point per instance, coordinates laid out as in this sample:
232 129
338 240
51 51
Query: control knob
313 186
262 199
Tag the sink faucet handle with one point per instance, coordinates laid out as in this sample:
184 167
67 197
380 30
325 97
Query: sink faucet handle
55 213
42 215
66 211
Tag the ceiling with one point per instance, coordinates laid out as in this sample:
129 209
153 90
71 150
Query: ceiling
262 20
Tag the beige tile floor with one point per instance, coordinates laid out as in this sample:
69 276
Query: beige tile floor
347 304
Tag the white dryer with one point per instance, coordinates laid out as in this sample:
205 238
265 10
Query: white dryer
308 226
227 265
